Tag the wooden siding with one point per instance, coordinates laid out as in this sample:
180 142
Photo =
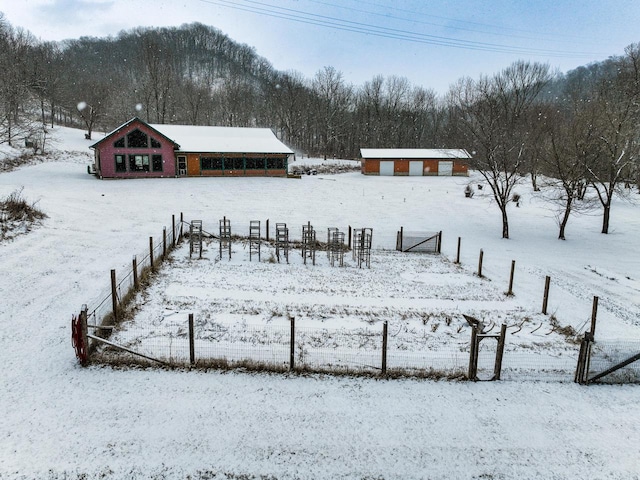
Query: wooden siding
194 165
106 152
371 166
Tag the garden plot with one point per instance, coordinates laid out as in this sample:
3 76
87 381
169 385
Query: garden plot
243 309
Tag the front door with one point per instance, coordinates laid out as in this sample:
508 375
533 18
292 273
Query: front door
182 166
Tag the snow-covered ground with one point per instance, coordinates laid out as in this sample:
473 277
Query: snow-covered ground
63 421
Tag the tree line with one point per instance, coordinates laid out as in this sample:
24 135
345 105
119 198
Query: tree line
577 130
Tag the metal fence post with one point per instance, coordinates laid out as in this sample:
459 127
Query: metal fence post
192 349
114 296
384 347
292 346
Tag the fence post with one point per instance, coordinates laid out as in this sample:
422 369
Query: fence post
114 297
173 231
84 331
267 230
594 314
192 349
181 223
164 242
399 241
349 242
384 347
473 356
545 298
134 269
480 263
500 352
440 241
513 269
151 252
458 254
292 348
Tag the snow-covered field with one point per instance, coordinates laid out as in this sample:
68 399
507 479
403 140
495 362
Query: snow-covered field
62 421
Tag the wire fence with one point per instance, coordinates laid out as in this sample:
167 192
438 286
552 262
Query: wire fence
173 341
611 353
326 350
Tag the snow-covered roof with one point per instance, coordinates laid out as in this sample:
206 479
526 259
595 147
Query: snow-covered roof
223 139
414 153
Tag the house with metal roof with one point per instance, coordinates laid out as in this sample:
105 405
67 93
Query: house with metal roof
137 149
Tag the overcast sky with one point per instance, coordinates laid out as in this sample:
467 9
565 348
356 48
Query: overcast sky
431 42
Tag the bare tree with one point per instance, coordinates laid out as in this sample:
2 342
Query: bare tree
492 117
617 101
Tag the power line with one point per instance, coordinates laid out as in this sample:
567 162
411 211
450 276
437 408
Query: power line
274 11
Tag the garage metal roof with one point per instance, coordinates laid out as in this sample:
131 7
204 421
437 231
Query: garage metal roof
421 153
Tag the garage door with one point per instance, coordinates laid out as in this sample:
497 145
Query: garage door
445 168
386 168
415 168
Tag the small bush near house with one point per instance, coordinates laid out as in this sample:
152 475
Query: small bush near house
17 215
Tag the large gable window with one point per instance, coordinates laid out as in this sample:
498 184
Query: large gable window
137 139
119 143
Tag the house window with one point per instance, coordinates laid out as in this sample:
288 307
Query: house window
234 164
155 143
255 163
121 165
275 163
119 143
156 163
139 163
137 139
210 163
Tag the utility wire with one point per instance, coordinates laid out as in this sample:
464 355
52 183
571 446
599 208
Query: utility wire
385 32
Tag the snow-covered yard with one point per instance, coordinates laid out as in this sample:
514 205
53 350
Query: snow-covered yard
63 421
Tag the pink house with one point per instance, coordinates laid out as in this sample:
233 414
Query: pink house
137 150
134 150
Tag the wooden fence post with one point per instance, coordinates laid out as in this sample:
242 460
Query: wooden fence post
594 314
192 349
349 241
292 346
473 355
267 230
458 254
173 231
164 242
500 352
480 263
151 252
545 298
114 296
134 269
513 269
384 347
440 241
181 223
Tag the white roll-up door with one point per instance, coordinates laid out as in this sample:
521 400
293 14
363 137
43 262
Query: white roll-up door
386 167
445 168
415 168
